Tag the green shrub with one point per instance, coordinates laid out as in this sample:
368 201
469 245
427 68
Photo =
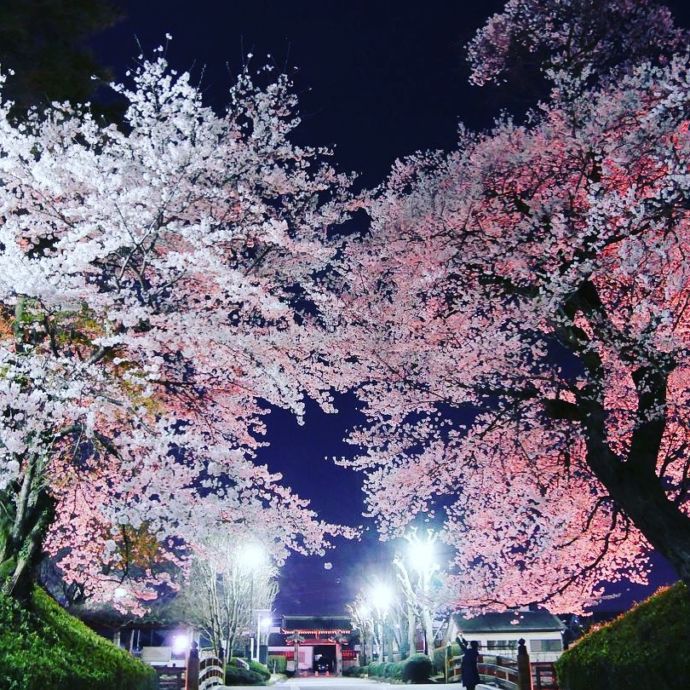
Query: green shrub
376 669
42 647
392 669
277 663
396 670
239 662
417 669
260 669
642 648
234 675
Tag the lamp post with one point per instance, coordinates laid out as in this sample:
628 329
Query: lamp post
381 599
363 617
421 553
265 623
252 557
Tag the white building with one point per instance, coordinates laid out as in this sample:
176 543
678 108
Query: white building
498 633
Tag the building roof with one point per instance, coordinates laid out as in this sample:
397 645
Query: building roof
508 622
316 624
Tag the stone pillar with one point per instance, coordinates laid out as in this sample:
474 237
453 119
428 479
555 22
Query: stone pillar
524 670
296 653
338 658
192 674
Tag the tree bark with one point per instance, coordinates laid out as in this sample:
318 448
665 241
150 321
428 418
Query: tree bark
632 482
22 549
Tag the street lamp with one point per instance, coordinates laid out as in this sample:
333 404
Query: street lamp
264 626
421 554
381 597
381 600
252 557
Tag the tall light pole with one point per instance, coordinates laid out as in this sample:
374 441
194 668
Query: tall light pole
265 623
252 557
362 611
381 600
421 554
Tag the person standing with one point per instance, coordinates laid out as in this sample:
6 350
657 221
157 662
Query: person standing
469 673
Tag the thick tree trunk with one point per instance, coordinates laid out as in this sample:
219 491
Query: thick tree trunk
411 631
632 482
637 489
427 622
665 526
23 547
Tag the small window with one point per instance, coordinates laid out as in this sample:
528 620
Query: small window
545 645
496 645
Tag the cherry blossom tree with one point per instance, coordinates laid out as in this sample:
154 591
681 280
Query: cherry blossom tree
223 591
519 313
159 292
581 41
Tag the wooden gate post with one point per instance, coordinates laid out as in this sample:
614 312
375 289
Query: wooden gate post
192 675
524 670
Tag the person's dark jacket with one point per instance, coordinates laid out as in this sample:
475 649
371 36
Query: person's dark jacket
468 668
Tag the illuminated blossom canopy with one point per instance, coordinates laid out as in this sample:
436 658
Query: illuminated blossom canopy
519 311
158 293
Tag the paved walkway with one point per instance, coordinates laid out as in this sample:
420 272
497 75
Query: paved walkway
335 683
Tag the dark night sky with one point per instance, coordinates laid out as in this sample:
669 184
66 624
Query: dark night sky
378 79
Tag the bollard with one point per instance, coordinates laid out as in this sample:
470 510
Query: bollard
524 670
192 675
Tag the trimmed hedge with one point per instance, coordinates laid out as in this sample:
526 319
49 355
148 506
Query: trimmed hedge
354 671
417 669
260 669
375 669
42 647
277 663
234 675
644 648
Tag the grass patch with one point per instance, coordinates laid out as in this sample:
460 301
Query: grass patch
42 647
648 647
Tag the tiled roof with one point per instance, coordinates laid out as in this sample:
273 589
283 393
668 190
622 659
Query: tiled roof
509 622
316 623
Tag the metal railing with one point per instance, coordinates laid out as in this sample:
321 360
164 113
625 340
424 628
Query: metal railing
504 672
494 670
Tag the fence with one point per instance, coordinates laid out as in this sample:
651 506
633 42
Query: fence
210 670
497 670
202 671
170 677
509 673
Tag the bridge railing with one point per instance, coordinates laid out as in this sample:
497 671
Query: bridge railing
497 670
211 671
504 672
